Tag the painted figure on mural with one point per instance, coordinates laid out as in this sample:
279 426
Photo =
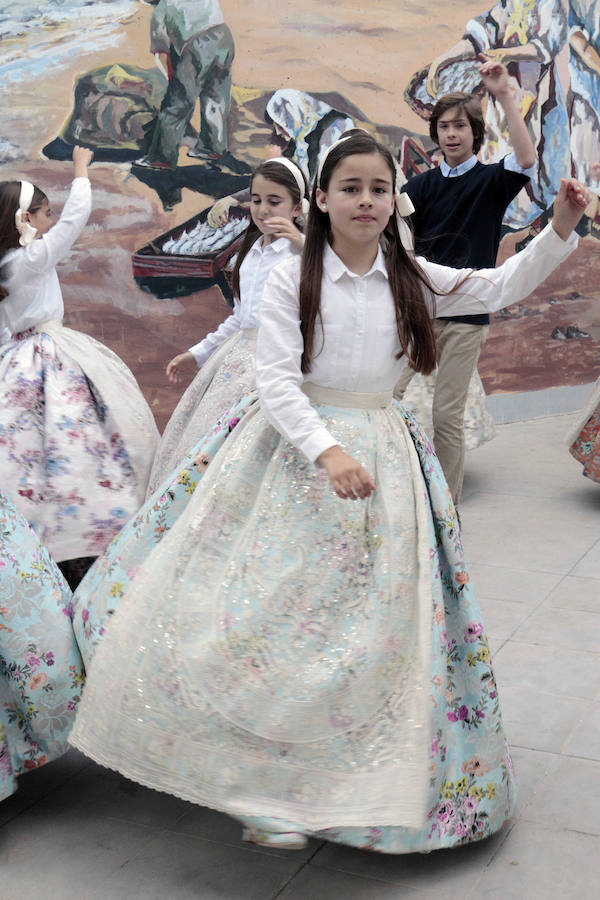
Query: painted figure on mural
526 36
198 47
584 99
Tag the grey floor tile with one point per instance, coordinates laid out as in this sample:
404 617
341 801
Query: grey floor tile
542 863
315 883
527 588
180 867
491 535
531 768
584 740
450 871
568 798
537 720
38 783
576 593
46 851
552 669
562 629
589 565
502 618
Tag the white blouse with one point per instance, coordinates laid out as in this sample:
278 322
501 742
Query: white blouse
254 271
357 346
29 274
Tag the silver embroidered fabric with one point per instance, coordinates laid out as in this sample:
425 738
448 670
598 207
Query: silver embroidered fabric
273 656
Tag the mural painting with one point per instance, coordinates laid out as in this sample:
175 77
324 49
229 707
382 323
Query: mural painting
181 99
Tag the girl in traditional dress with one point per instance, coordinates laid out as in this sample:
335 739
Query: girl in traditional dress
41 673
583 439
226 357
301 662
77 438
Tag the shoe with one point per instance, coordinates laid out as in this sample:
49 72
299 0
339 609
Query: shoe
558 334
280 840
146 164
573 331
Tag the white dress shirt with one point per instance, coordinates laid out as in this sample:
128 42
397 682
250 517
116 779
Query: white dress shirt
510 164
357 346
254 271
29 274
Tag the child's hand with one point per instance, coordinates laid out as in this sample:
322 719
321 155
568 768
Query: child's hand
569 205
280 227
494 75
218 214
82 157
348 478
177 364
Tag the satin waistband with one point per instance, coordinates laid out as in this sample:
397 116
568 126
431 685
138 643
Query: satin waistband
351 399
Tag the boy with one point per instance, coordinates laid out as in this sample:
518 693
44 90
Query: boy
457 221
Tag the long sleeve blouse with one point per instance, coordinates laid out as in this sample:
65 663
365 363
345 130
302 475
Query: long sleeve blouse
357 344
29 273
254 271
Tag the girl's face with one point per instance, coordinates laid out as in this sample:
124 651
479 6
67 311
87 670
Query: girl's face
268 201
42 219
359 199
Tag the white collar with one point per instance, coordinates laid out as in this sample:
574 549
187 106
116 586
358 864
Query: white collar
335 268
277 246
460 169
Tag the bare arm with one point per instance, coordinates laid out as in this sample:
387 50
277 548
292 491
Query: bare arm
496 82
585 51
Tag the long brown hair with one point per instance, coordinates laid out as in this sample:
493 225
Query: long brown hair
272 171
407 280
10 192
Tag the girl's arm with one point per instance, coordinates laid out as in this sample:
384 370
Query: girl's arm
488 290
43 254
279 379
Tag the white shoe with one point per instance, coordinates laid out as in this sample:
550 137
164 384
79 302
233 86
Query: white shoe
281 840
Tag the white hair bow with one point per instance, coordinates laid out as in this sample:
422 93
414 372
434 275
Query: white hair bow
26 231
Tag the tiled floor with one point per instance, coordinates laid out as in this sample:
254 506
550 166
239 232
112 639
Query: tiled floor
531 528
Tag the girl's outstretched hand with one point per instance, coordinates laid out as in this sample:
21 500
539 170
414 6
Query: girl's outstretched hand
569 205
177 364
280 227
348 478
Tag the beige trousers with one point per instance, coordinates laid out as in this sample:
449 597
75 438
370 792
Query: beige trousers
458 347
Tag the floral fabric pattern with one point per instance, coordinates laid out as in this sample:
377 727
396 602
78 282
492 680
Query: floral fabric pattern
585 442
268 596
225 379
41 672
64 462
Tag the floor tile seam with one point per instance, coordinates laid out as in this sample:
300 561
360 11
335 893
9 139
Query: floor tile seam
505 684
550 646
329 867
300 868
558 828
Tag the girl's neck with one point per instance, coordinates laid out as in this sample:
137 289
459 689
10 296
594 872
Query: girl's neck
266 239
357 257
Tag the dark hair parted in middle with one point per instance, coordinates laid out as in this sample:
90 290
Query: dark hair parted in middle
280 174
407 280
471 107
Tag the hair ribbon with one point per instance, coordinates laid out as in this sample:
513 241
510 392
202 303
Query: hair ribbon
26 231
298 177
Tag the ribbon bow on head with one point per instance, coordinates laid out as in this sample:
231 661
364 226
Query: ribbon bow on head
26 231
404 207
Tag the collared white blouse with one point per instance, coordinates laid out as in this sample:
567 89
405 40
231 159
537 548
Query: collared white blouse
29 276
357 346
254 271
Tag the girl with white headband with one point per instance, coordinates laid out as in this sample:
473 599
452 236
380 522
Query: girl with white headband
304 663
278 191
77 438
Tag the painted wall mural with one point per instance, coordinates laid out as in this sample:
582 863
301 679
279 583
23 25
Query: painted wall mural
179 103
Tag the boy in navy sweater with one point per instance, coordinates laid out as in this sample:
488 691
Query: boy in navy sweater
459 207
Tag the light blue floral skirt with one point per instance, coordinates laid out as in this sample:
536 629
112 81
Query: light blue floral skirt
41 673
280 654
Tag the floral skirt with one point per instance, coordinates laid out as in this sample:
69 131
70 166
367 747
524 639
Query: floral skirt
584 440
41 672
286 654
479 425
227 376
76 439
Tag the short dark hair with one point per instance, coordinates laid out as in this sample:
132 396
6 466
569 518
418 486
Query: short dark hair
471 107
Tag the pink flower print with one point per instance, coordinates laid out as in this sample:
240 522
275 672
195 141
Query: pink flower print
32 661
461 829
473 631
475 766
458 715
85 614
469 805
49 658
37 681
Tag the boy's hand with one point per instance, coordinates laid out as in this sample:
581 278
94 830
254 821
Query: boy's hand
494 76
82 157
569 206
